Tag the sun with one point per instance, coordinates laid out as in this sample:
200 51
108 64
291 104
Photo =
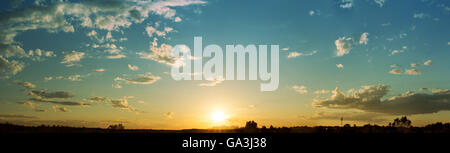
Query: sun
218 117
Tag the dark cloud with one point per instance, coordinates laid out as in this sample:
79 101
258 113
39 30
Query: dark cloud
25 84
371 99
117 103
69 103
98 99
57 94
16 116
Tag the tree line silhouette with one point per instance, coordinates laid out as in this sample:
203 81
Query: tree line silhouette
399 125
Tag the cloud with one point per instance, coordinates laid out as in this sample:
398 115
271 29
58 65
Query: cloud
64 16
413 64
57 94
68 103
343 46
169 115
31 105
116 56
122 103
323 91
364 39
117 86
434 90
8 68
61 109
133 67
27 85
396 52
297 54
427 63
371 99
420 15
396 71
394 65
177 19
294 54
117 103
98 99
380 2
284 49
73 57
314 12
38 54
151 30
27 104
17 116
75 77
212 82
345 4
340 66
143 79
300 89
100 70
412 72
162 54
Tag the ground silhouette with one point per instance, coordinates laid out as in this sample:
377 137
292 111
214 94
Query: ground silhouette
399 125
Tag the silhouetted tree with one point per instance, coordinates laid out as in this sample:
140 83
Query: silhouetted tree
251 125
116 127
402 122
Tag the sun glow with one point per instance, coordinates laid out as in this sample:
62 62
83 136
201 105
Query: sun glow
218 117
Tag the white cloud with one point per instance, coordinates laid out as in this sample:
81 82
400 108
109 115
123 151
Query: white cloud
117 56
341 66
100 70
26 84
10 67
394 65
151 30
396 52
143 79
76 77
133 67
323 91
343 46
364 39
412 72
297 54
396 71
177 19
346 4
300 89
420 15
427 63
380 2
294 54
162 54
73 57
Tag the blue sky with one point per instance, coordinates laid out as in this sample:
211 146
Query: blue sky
393 61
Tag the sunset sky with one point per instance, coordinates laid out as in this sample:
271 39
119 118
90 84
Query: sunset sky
94 63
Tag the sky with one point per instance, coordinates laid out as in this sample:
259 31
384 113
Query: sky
95 63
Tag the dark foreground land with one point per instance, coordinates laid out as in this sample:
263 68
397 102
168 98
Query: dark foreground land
293 139
437 128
